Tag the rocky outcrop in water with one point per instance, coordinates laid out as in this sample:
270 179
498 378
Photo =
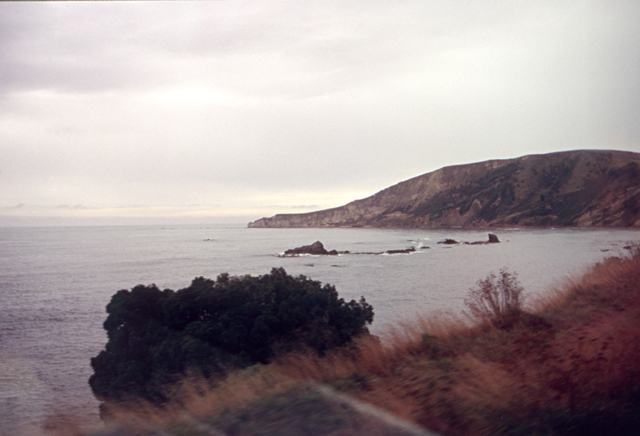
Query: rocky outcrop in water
316 249
493 239
449 241
584 188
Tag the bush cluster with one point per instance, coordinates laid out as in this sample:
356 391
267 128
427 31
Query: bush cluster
156 337
497 300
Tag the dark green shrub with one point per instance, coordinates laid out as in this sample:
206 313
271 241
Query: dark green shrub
156 337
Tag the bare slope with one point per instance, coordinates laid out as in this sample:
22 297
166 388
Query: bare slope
574 188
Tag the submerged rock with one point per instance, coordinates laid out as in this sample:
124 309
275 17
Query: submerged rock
405 251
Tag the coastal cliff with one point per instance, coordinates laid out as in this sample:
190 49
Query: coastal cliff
583 188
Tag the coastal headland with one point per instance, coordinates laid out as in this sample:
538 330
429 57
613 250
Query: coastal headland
582 188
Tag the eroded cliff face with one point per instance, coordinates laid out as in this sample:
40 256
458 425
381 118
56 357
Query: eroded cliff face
586 188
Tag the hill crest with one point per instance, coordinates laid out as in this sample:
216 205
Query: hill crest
583 188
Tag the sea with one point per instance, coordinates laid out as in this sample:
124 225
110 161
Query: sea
55 283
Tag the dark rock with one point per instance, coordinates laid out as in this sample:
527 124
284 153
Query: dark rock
493 239
405 251
448 241
316 249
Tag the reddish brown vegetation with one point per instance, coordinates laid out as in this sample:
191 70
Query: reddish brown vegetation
569 365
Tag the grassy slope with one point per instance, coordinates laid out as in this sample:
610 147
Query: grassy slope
571 366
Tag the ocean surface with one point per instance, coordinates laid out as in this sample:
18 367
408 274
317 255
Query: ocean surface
56 281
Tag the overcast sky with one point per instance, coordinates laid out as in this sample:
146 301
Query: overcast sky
214 111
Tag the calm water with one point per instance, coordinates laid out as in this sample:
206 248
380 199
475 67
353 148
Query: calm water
56 282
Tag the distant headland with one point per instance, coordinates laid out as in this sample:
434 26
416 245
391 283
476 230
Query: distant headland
582 188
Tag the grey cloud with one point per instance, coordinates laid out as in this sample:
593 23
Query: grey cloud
93 47
73 48
210 103
74 207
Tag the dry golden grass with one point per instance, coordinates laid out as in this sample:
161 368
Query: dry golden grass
570 366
